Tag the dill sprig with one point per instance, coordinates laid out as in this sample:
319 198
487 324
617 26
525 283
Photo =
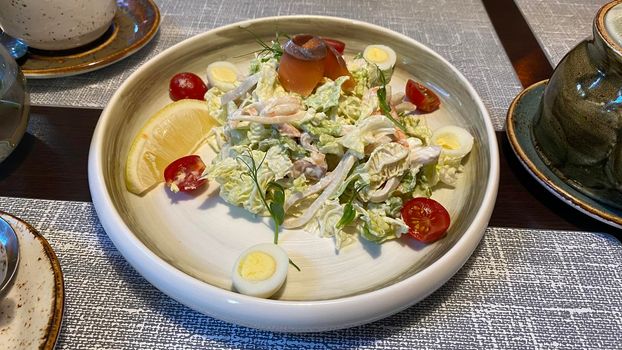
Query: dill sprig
273 48
349 214
383 103
275 207
276 191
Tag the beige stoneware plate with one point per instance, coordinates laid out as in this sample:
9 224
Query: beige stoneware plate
31 309
186 245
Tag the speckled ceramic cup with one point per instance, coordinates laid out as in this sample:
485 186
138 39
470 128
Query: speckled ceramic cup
57 24
579 130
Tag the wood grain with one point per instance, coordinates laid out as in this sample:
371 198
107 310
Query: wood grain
50 161
520 44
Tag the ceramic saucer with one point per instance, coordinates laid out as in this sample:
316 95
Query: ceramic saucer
520 119
31 310
134 25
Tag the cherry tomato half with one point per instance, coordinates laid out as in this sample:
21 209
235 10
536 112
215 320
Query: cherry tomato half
427 219
186 85
340 46
424 98
184 174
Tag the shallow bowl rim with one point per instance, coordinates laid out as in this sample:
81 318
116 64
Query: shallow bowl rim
300 316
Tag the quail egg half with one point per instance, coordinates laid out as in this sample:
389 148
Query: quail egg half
223 75
455 142
260 271
381 55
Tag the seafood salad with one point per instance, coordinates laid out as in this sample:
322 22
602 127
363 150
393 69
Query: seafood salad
315 139
346 167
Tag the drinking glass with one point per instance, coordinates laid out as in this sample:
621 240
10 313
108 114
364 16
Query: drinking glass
14 104
16 47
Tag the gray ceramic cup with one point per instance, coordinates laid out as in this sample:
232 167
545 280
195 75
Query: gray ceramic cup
579 130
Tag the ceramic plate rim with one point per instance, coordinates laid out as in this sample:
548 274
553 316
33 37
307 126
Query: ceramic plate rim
568 195
58 310
310 315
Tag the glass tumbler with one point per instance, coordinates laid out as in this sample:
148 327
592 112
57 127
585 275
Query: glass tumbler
14 104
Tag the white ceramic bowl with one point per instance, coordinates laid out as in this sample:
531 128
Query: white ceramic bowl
185 246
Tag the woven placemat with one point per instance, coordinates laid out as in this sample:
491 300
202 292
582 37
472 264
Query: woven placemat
520 289
559 25
468 42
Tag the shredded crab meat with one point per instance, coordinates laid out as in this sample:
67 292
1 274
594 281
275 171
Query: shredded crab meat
397 102
276 110
405 107
397 98
401 138
313 167
371 97
241 90
305 142
284 105
338 176
288 130
311 190
279 119
424 155
383 193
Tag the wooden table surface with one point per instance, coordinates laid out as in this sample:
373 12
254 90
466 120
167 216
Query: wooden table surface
51 160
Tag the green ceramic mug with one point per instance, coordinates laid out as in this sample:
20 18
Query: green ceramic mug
579 130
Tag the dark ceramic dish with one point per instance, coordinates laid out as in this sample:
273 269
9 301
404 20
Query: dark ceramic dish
521 117
578 129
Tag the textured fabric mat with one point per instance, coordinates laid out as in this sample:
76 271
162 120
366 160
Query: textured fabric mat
468 42
521 289
559 25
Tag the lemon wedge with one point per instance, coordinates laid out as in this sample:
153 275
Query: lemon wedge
174 131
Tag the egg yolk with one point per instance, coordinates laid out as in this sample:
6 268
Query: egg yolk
257 266
224 74
447 143
376 55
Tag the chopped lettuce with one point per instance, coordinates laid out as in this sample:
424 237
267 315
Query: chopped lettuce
216 138
259 132
377 226
365 74
328 145
351 108
386 161
416 126
321 124
448 169
367 131
236 186
326 96
215 109
295 150
324 223
268 85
